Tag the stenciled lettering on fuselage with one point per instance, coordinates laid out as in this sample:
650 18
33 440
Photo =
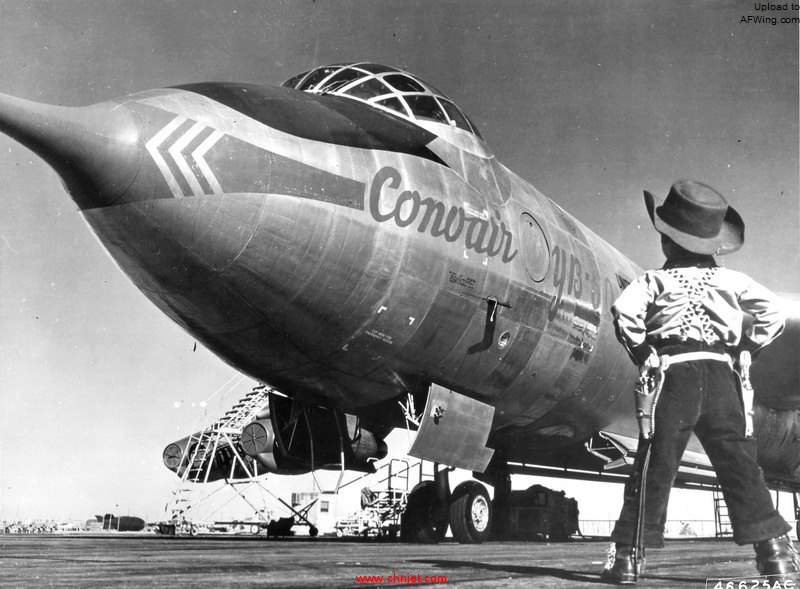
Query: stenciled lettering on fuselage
570 278
482 235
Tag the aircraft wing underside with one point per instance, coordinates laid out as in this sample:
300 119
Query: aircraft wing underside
609 457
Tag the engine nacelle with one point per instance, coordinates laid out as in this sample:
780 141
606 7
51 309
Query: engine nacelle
285 438
176 455
293 439
258 442
206 464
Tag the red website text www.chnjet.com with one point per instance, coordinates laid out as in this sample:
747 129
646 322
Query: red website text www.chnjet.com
395 578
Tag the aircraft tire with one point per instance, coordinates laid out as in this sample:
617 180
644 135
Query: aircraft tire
471 513
418 523
313 531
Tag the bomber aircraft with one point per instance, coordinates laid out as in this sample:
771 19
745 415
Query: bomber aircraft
349 238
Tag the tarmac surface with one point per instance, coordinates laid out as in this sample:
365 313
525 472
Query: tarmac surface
144 560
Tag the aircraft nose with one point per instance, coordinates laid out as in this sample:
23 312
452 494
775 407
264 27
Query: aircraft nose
96 150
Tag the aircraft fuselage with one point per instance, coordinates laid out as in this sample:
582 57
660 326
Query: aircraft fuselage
348 256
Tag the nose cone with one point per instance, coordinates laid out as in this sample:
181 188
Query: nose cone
96 150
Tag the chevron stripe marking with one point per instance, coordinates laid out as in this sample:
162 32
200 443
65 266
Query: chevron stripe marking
198 156
152 147
175 152
188 154
186 188
183 165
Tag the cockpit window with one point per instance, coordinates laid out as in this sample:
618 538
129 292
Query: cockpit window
385 88
456 118
426 107
315 77
393 104
369 89
340 80
293 81
404 83
376 68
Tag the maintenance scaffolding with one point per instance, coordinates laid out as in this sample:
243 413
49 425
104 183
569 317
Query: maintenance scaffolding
382 508
194 505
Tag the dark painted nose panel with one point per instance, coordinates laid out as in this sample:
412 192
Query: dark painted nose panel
328 119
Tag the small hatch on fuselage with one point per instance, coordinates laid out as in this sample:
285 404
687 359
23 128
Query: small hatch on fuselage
385 88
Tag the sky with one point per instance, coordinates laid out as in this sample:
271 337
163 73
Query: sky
590 101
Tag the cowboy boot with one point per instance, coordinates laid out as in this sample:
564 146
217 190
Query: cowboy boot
619 568
777 556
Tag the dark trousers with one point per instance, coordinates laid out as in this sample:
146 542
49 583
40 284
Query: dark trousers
700 396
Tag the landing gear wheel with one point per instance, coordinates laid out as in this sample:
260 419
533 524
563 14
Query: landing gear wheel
424 521
313 531
255 529
471 513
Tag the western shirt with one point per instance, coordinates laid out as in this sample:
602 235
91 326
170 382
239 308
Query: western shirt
693 299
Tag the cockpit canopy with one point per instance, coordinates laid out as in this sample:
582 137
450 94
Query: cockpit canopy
385 88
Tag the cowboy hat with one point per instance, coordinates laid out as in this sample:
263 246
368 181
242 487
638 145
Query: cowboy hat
697 218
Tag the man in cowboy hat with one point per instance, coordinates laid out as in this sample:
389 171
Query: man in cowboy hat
688 316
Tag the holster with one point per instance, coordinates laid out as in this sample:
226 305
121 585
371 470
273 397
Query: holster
646 395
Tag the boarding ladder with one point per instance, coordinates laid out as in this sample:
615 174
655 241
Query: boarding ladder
244 411
722 522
